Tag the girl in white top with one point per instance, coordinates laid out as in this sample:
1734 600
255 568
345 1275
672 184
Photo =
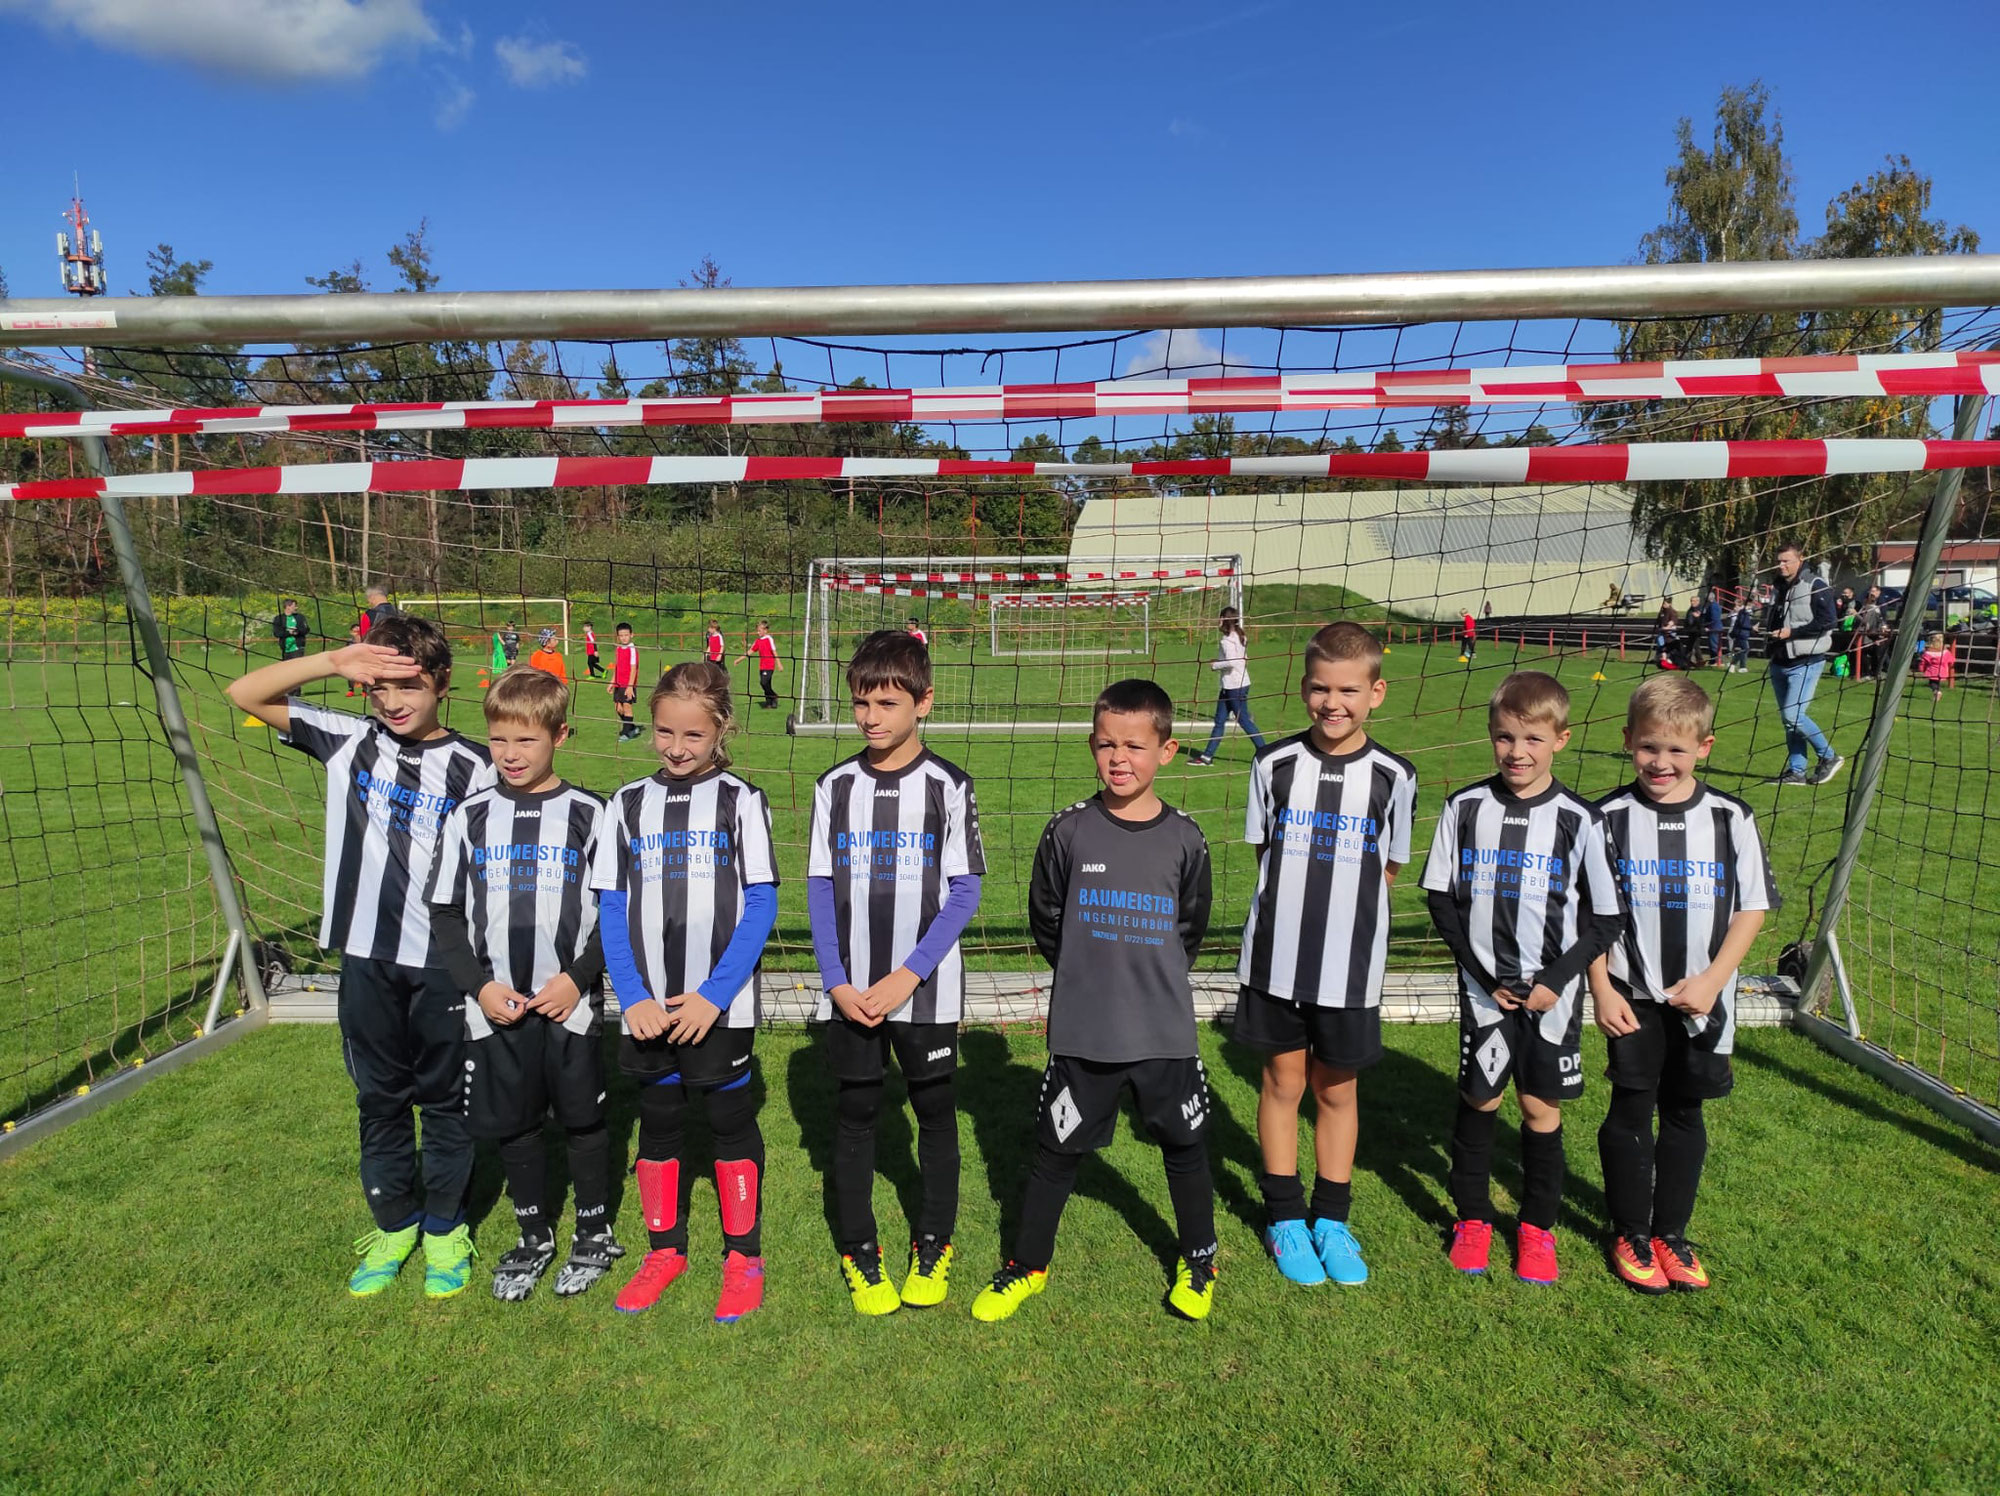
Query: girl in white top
1232 663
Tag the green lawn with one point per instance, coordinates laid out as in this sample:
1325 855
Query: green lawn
114 936
176 1319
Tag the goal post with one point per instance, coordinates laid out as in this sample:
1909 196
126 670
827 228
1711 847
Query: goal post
1019 644
470 622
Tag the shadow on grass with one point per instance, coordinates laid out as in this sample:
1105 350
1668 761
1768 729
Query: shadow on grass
811 1092
1861 1101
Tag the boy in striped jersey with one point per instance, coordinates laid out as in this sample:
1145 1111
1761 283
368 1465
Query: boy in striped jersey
1697 883
1330 813
391 780
1522 891
892 880
517 927
688 893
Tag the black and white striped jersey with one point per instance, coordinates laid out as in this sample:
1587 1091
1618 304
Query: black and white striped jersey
1525 872
1328 824
1686 871
519 866
683 851
890 842
386 802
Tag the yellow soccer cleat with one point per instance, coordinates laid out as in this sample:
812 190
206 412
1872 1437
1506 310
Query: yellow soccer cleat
1193 1293
1011 1287
872 1292
930 1273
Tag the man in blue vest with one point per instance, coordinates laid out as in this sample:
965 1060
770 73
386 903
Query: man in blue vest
1798 629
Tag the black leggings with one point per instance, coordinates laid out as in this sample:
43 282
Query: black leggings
732 1122
1649 1184
526 1161
858 1111
1189 1185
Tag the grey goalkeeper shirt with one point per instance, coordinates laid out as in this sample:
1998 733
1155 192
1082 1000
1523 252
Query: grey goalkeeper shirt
1119 908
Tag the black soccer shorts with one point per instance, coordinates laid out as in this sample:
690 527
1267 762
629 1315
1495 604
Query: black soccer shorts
1343 1038
624 695
722 1056
1664 1056
1497 1045
516 1075
1078 1110
857 1053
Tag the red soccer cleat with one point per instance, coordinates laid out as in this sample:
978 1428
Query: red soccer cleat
1638 1265
1471 1245
1534 1254
656 1270
1675 1255
742 1288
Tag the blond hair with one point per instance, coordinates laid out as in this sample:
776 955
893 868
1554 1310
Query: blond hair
523 693
698 680
1531 696
1346 642
1673 701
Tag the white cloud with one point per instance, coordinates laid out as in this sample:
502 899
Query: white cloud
1181 127
532 64
454 103
1183 353
281 40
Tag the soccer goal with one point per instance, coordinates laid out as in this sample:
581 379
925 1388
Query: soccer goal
1019 644
470 623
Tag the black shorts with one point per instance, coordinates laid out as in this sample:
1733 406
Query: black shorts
925 1051
1078 1110
1343 1038
515 1076
624 695
1516 1049
1664 1056
720 1058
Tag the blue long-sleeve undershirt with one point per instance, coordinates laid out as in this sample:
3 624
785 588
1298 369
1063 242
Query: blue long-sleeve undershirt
739 957
961 902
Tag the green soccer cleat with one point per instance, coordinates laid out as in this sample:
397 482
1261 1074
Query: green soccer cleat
1193 1293
382 1255
448 1262
930 1273
1011 1287
867 1284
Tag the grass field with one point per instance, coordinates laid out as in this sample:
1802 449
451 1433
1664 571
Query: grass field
115 934
176 1320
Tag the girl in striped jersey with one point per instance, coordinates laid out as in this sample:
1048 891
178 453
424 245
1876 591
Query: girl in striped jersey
1697 885
687 895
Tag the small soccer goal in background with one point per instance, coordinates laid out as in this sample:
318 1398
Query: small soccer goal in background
471 623
1019 644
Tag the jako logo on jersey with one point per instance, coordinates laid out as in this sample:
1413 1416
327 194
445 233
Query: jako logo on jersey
887 794
1333 779
938 1054
678 799
1513 820
1091 867
1673 825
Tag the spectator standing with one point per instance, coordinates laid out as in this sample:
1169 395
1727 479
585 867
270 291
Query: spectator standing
1799 632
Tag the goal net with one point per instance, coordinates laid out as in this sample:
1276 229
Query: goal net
1018 643
1054 514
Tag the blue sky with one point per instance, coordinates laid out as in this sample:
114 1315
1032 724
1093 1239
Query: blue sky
614 144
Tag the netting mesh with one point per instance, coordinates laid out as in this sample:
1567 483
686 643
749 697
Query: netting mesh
1573 579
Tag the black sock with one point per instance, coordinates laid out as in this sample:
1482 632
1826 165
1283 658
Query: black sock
1332 1199
526 1162
732 1120
856 1111
1677 1161
1542 1170
590 1177
1192 1189
1625 1149
1050 1181
1472 1162
935 1103
663 1137
1284 1197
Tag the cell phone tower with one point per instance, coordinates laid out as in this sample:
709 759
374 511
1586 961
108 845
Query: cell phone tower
80 253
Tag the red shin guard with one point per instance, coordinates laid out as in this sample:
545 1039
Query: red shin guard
736 1190
659 1191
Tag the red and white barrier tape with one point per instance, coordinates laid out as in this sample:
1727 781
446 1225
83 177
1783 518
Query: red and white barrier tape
1647 462
1156 575
1894 375
1014 599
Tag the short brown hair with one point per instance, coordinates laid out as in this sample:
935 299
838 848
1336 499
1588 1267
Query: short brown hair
1140 698
698 680
1346 642
1673 700
890 657
526 693
1532 696
420 639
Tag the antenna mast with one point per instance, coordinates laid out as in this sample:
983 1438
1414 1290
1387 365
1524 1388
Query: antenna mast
80 253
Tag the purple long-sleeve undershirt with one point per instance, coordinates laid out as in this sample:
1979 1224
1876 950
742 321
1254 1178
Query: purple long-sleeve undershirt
961 902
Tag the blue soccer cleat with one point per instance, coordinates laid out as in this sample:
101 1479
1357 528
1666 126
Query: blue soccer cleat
1339 1253
1291 1247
